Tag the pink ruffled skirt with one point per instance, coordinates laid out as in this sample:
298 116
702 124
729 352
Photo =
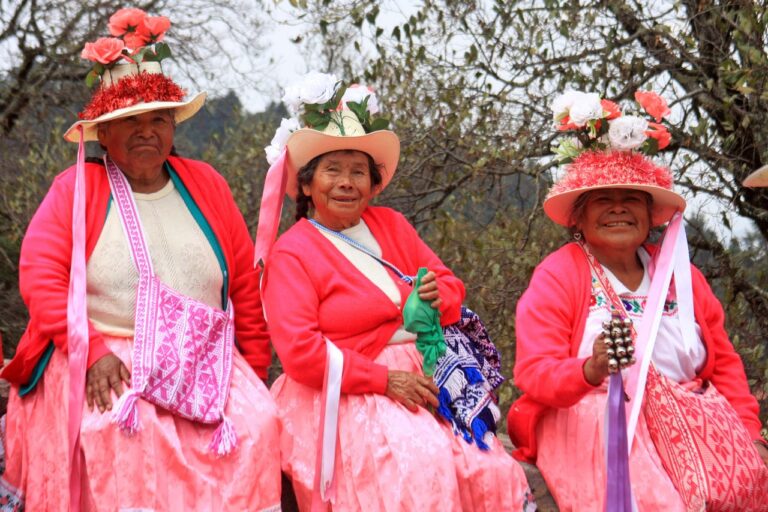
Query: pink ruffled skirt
571 458
166 466
391 459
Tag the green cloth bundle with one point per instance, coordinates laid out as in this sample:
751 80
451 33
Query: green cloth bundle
420 318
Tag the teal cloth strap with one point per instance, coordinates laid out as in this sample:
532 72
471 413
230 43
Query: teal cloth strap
205 227
37 372
420 318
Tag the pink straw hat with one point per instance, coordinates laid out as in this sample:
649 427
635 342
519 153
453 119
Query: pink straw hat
594 170
759 178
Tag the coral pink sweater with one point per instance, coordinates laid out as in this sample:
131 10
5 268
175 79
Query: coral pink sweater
311 291
550 321
47 248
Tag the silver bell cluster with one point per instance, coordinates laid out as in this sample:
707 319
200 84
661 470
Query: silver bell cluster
617 334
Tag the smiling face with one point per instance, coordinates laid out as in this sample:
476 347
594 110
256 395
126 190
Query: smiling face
616 220
340 189
139 144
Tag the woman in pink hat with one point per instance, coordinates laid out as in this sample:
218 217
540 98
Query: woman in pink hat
358 431
582 329
129 392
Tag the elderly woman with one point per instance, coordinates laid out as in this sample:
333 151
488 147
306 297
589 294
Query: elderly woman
170 286
610 199
333 284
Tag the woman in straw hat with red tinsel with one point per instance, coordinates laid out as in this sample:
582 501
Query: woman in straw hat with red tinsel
336 286
129 392
634 398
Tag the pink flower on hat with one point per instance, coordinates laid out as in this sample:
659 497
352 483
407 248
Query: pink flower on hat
104 51
153 28
654 104
126 21
659 132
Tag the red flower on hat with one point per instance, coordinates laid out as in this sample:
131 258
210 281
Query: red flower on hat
126 21
134 40
612 109
660 133
153 29
654 104
104 51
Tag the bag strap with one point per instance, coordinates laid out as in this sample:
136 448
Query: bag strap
360 247
672 258
618 494
597 268
129 219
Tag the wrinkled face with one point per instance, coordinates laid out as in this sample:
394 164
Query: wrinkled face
615 219
139 142
340 189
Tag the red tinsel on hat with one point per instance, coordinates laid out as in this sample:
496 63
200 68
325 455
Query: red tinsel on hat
132 90
601 169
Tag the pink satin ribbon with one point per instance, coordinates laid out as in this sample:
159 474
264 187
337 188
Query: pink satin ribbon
671 258
271 208
77 329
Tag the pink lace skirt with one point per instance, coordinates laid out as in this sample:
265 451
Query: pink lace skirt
166 466
571 458
391 459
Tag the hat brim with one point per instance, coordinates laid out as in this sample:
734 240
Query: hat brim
307 143
759 178
182 111
665 202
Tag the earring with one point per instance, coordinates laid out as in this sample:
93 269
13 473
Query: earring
577 236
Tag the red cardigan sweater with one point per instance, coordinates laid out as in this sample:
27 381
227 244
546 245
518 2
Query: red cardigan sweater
47 248
550 321
311 291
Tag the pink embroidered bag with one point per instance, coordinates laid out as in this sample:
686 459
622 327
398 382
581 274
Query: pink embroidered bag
704 447
182 348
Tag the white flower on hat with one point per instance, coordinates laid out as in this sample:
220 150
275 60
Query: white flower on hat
627 132
585 107
561 107
292 98
357 93
317 87
287 126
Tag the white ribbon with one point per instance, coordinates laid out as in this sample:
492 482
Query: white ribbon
330 419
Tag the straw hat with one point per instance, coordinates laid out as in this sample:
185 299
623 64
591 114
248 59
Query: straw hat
595 170
759 178
131 89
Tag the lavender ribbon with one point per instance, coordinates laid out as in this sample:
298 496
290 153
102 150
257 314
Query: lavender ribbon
618 496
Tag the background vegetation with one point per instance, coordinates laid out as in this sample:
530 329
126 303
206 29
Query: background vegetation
468 85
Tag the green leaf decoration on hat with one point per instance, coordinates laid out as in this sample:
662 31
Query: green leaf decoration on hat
420 318
319 115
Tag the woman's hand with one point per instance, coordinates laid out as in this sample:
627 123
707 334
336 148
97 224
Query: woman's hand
428 290
106 374
596 368
411 389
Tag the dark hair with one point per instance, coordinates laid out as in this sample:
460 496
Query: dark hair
306 173
580 204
